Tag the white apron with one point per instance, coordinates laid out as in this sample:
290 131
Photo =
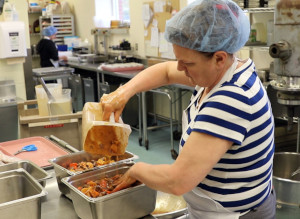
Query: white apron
200 205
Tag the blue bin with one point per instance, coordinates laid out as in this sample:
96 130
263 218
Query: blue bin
62 47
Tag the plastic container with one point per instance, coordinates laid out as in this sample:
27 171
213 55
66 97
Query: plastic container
7 11
42 98
102 137
7 90
62 103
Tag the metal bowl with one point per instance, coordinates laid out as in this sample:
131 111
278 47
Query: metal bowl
169 206
287 187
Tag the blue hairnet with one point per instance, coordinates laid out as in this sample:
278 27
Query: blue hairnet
49 31
209 26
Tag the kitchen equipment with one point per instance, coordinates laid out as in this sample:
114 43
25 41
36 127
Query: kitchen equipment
27 148
46 150
287 187
42 94
61 164
102 137
89 90
20 195
133 202
122 67
169 206
62 104
7 90
35 171
285 51
8 111
63 143
66 127
296 172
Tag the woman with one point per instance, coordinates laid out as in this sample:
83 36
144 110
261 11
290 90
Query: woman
47 48
224 168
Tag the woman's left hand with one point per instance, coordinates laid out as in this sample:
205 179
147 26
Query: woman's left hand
124 182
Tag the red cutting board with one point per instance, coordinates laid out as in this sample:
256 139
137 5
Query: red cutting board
46 150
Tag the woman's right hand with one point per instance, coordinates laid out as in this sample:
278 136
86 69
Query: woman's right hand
113 103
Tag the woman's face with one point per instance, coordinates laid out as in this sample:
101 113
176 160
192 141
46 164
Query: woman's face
200 69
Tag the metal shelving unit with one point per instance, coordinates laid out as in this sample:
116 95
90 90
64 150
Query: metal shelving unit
63 23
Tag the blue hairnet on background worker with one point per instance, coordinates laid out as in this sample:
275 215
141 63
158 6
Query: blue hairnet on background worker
224 168
47 49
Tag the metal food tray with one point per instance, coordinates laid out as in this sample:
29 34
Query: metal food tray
60 165
35 171
20 195
50 71
133 202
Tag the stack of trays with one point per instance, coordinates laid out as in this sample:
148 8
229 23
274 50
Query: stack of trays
21 188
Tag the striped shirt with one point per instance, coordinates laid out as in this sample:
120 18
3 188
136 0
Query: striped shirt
239 111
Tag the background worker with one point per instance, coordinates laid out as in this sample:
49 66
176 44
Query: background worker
47 49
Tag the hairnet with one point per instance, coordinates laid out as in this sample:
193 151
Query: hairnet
49 31
209 26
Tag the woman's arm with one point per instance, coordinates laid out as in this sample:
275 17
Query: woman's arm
197 158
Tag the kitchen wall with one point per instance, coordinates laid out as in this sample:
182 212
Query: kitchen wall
15 72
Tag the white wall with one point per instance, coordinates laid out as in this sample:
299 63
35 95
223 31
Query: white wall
15 72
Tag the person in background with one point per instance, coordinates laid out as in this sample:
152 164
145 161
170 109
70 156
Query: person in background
47 49
224 168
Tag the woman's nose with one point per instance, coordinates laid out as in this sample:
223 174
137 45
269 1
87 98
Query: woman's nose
180 67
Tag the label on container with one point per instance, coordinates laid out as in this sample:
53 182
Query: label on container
14 41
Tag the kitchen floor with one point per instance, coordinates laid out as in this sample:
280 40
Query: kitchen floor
159 150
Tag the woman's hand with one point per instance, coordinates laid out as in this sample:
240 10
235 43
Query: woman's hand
113 102
124 182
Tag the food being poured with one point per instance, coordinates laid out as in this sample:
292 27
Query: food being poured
102 137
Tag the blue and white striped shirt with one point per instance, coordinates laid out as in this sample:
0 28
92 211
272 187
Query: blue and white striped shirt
238 111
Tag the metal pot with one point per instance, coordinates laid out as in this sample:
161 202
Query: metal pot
287 187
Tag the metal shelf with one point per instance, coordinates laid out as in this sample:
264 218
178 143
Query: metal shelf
259 10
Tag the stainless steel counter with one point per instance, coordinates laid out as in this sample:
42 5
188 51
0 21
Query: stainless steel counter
57 206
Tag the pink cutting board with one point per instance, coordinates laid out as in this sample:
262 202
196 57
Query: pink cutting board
46 150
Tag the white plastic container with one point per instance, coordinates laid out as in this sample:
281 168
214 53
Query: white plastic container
62 103
102 137
7 11
42 98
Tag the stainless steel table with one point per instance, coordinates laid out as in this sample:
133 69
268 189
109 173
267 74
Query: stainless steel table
55 205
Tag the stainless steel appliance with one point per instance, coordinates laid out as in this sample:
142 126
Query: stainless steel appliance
8 111
89 90
286 54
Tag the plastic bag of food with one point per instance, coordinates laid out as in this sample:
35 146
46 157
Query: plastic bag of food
102 137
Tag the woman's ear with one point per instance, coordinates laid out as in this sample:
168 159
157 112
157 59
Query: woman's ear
220 58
